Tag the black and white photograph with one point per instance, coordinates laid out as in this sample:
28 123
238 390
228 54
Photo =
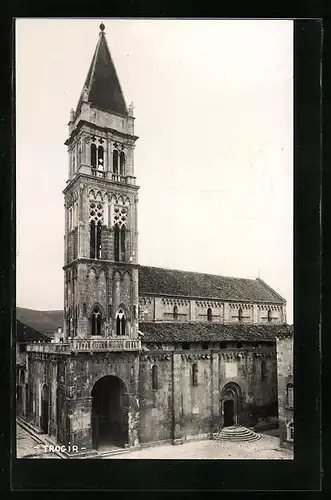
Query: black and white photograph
154 239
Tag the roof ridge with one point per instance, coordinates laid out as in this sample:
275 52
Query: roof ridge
197 272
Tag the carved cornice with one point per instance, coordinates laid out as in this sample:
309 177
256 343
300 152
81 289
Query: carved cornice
178 302
230 356
152 358
195 356
207 303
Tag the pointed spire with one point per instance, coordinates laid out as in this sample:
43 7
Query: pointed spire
102 87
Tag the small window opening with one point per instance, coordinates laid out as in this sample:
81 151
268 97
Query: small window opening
115 161
122 163
155 377
93 156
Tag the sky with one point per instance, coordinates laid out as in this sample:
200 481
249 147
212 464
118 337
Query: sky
214 159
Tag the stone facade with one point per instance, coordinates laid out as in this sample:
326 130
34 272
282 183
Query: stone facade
178 408
158 308
285 390
110 378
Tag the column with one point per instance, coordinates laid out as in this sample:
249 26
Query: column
178 437
215 396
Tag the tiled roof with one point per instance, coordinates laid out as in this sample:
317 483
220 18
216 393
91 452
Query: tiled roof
102 83
25 333
160 281
209 332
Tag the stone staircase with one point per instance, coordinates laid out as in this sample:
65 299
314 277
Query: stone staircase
236 434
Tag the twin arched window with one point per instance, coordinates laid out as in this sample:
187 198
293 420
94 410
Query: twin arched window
118 162
175 312
96 319
97 157
95 239
120 322
119 243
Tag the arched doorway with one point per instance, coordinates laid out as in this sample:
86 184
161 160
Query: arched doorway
231 404
109 413
44 408
228 412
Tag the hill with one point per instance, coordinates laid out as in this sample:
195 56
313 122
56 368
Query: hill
42 321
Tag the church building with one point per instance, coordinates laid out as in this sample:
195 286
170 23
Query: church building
148 355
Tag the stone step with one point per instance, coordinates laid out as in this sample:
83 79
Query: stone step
237 440
236 434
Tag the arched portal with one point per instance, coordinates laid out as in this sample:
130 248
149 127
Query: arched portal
109 413
44 408
231 404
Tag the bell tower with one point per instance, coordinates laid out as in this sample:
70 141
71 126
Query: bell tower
100 198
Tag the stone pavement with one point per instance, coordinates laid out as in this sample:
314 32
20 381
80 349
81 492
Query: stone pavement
266 448
28 447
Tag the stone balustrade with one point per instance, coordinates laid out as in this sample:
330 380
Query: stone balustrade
83 345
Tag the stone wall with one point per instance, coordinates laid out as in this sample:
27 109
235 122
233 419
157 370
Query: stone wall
153 308
179 409
285 377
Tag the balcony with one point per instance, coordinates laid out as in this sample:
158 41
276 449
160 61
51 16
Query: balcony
86 345
105 345
118 178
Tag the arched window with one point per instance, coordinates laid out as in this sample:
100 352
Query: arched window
122 243
155 377
122 163
269 316
263 370
92 239
95 240
96 319
175 312
73 163
120 323
240 315
93 156
84 309
289 395
100 158
209 314
115 161
117 243
195 374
